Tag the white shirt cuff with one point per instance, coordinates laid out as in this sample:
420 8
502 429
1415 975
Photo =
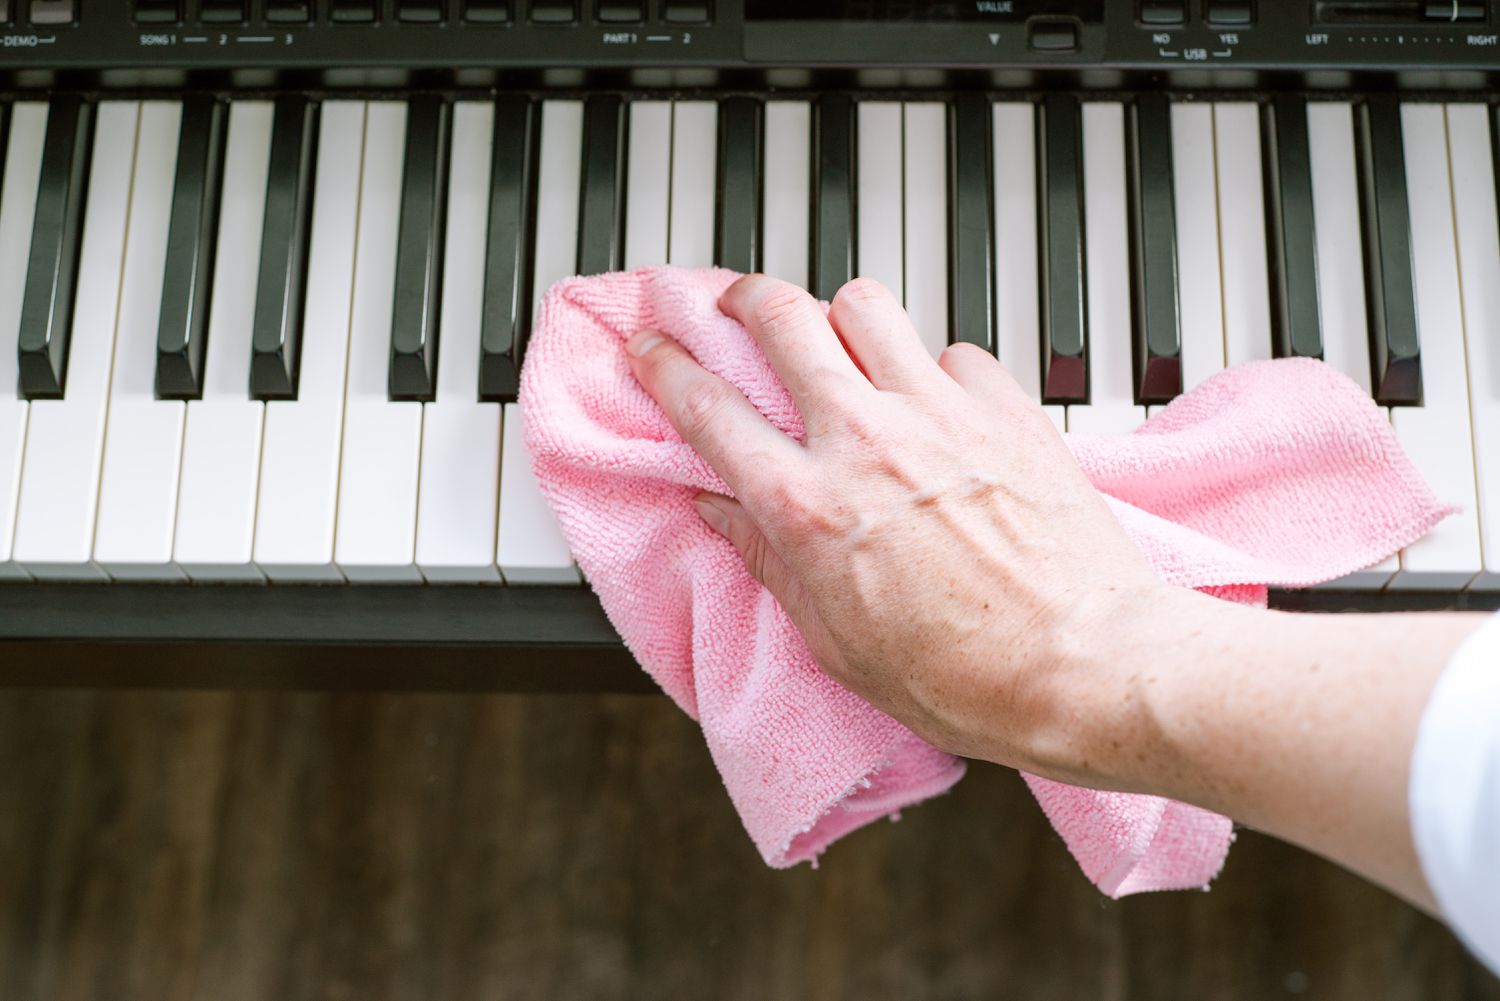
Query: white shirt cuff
1454 792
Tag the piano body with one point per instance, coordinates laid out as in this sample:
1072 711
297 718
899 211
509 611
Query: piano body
267 271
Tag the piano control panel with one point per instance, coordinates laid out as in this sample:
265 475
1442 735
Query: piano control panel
1195 42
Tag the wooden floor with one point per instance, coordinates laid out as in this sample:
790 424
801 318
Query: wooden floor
168 846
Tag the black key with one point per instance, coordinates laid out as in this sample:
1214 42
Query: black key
419 251
288 11
833 236
737 235
1064 305
1296 326
554 11
351 11
277 340
1395 355
507 263
1153 251
601 208
971 297
146 11
56 238
182 332
487 11
222 12
419 11
621 11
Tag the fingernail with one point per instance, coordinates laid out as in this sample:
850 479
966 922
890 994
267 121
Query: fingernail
712 513
643 341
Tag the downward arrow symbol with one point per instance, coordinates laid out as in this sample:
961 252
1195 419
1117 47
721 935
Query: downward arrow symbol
994 38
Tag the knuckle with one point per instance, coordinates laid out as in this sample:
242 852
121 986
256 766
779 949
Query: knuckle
788 499
965 352
701 403
864 292
757 556
781 307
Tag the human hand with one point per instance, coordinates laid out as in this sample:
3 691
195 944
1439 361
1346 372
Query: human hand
933 539
945 558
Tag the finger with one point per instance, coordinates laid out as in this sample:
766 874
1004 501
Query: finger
880 336
797 340
712 416
981 375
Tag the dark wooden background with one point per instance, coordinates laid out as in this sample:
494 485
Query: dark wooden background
227 846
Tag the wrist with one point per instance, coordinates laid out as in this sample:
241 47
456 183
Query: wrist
1105 675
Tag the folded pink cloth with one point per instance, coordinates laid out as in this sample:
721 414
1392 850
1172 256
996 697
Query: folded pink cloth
1277 473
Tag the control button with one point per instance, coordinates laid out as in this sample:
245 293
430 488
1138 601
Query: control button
1052 36
487 11
1230 13
1452 10
156 11
621 11
419 11
351 11
686 11
51 11
288 11
553 11
223 11
1163 12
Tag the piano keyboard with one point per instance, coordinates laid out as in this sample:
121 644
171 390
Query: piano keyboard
278 339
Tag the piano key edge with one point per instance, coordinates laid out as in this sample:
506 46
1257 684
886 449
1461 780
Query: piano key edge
381 638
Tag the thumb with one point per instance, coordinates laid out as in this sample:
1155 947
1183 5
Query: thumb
730 519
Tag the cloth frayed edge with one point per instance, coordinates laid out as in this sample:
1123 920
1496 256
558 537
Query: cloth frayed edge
943 783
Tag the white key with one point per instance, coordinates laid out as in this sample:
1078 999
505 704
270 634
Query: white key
1336 218
1479 263
788 191
376 535
1017 279
529 546
1242 234
143 435
881 253
648 183
532 548
460 481
559 167
65 438
1341 273
221 442
299 476
1436 435
1200 297
1195 198
926 222
695 151
1111 408
23 171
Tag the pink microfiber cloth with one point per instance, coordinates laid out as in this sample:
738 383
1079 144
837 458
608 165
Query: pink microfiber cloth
1272 473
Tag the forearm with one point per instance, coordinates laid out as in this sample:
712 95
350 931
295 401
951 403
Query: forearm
1299 725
